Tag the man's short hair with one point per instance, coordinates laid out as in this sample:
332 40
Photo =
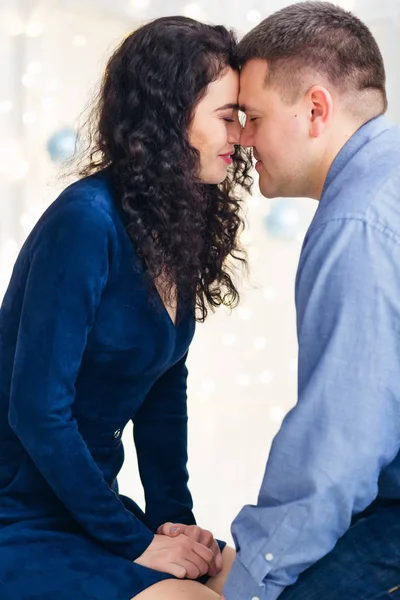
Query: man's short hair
317 38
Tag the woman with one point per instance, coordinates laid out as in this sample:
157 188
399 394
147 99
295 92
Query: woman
96 324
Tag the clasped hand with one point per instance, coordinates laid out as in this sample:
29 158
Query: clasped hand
185 551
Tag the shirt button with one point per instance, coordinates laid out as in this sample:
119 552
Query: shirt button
269 557
117 433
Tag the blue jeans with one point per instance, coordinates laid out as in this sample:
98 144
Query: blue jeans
364 564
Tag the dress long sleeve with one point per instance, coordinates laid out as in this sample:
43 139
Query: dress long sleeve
160 433
69 264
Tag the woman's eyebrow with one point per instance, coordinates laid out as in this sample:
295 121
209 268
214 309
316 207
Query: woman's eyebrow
226 106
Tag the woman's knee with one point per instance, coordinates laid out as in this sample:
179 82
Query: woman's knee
217 583
173 589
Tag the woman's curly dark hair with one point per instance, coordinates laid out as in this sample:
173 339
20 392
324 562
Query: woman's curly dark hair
138 129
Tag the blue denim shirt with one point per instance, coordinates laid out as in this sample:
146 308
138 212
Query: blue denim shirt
338 448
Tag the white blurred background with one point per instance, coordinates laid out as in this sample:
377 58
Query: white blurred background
242 365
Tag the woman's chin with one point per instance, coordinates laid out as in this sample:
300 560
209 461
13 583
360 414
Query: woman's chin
215 178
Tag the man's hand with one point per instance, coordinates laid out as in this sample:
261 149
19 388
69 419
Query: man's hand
180 556
199 535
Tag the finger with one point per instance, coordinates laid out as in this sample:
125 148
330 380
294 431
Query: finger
219 561
190 566
176 570
194 533
162 529
195 553
200 563
176 528
216 565
170 529
204 552
206 538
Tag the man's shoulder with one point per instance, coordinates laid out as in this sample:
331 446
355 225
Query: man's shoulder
368 187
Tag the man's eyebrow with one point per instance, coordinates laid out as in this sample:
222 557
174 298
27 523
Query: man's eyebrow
226 106
245 108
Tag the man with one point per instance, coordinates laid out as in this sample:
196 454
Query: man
327 522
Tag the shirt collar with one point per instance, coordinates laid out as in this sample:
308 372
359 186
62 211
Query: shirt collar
362 136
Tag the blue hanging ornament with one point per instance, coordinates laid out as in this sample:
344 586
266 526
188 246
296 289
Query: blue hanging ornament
62 144
285 220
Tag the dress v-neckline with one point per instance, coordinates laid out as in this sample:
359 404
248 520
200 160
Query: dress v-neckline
169 315
173 322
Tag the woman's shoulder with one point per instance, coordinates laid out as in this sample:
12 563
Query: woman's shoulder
84 212
90 195
88 201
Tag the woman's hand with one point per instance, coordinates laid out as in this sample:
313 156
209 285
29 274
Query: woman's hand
199 535
179 555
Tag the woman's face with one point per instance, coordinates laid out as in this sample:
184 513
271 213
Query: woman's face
215 127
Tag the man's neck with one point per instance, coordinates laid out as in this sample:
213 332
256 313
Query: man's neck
335 144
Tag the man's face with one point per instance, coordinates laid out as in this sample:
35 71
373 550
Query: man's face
277 132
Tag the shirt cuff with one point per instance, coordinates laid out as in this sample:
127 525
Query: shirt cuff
241 586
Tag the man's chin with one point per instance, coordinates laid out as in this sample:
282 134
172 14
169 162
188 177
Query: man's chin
269 193
265 185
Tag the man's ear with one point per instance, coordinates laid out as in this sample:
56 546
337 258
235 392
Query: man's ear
320 104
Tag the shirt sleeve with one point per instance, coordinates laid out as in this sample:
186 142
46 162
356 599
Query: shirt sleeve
67 274
160 434
325 461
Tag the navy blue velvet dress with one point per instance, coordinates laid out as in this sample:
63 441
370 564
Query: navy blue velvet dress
85 348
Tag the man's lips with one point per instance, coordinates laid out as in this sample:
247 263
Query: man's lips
259 161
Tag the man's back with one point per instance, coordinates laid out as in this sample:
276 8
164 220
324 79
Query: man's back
361 200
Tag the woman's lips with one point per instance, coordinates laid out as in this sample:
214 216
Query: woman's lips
227 158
